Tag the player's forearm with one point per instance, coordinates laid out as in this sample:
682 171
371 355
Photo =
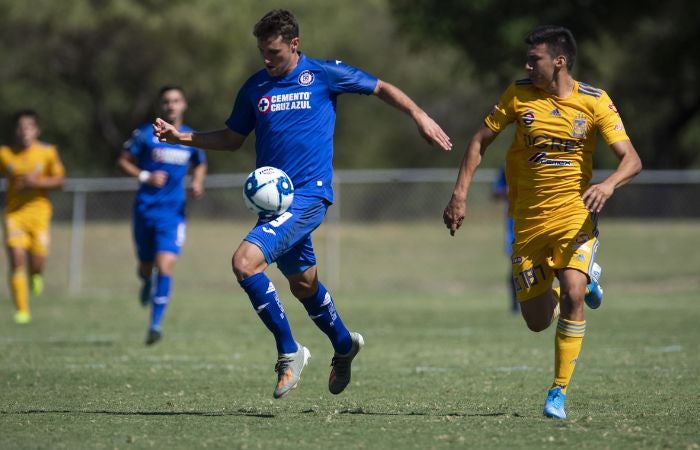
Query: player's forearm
199 173
50 182
472 158
128 167
470 162
629 166
223 139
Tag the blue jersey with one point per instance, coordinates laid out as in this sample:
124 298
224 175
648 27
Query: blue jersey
152 155
294 118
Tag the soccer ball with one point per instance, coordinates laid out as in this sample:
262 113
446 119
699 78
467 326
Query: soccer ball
268 191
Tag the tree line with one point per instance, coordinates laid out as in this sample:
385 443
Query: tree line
92 68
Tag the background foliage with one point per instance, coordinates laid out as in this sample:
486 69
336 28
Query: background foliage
644 54
92 68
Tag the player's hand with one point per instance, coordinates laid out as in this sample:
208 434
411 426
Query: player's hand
432 132
197 189
454 214
28 181
596 195
166 132
158 178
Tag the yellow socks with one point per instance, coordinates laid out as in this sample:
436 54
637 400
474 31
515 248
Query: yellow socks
567 346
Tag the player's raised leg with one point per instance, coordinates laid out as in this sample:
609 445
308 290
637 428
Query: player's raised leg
594 292
148 276
36 267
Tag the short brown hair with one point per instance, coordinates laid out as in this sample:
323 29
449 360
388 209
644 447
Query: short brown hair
278 22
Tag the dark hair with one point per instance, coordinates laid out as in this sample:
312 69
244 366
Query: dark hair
559 40
278 22
25 113
170 87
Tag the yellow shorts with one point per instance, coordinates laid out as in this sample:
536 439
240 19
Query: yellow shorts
540 251
28 231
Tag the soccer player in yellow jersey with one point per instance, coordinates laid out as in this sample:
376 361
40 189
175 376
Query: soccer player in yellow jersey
31 167
554 206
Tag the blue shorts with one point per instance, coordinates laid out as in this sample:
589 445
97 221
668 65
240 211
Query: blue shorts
153 234
286 239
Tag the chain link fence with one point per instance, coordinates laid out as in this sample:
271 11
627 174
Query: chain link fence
102 207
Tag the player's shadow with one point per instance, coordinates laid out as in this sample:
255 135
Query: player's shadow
244 413
239 412
361 411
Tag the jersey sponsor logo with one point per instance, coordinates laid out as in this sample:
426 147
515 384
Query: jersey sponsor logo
284 102
175 156
578 129
270 288
528 118
529 277
541 158
619 127
517 259
553 143
555 113
269 231
306 78
613 108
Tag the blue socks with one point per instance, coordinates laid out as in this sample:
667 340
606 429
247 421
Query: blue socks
263 296
322 311
160 300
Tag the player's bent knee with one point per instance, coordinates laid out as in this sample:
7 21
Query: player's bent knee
537 326
244 267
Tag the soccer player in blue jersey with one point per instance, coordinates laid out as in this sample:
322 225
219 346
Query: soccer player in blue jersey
290 105
159 221
499 190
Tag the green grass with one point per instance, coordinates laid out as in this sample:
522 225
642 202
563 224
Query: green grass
445 364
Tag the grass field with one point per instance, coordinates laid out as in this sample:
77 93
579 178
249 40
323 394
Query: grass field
445 364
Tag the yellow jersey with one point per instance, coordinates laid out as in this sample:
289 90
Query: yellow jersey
39 158
549 164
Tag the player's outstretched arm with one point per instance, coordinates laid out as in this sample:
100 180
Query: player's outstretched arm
629 166
427 127
456 208
224 139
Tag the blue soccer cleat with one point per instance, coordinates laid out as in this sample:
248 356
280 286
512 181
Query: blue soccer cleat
554 405
594 293
153 335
